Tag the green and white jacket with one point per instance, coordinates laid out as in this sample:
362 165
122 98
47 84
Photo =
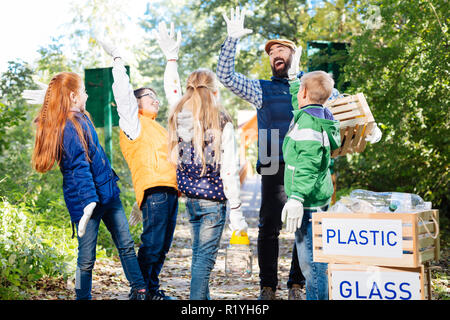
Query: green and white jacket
307 154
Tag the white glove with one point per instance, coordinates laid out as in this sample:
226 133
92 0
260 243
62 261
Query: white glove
292 214
237 221
87 213
295 64
109 49
167 42
35 96
375 135
235 25
135 215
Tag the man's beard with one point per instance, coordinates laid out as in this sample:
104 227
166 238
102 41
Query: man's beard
283 72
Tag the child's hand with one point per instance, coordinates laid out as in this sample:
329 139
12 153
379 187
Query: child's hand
167 42
88 210
135 215
292 214
35 96
295 64
237 221
375 135
109 48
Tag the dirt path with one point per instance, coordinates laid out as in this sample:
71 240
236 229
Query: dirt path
110 283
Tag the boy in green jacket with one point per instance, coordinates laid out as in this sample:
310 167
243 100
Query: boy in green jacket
307 147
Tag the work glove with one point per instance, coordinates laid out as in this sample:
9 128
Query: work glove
292 214
35 96
295 64
235 25
375 135
87 213
166 40
237 221
135 215
109 48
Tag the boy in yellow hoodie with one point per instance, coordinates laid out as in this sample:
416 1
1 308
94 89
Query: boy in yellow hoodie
143 142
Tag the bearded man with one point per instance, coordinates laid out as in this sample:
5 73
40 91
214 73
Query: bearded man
273 102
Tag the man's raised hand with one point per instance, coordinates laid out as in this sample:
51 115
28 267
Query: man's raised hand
235 24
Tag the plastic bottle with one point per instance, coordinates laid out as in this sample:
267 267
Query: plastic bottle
392 201
349 205
238 256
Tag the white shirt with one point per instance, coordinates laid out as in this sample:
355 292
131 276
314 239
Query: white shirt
127 105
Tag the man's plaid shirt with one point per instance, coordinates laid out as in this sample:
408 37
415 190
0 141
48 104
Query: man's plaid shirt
245 88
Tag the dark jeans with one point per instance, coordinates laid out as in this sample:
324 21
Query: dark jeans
159 217
295 274
115 220
273 199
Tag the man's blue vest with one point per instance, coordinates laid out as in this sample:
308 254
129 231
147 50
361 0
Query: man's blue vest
274 118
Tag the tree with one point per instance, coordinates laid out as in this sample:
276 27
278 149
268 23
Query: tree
401 64
12 112
204 30
53 60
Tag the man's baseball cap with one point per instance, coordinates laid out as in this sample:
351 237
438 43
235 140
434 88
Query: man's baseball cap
284 42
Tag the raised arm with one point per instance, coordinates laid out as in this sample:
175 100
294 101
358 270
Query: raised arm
243 87
127 106
229 172
170 47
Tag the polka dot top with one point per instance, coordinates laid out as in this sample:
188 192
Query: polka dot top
191 182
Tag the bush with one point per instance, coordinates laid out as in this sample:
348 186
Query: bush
28 253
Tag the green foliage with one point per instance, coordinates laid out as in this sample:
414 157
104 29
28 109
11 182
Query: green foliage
28 253
12 83
402 67
400 63
53 60
39 195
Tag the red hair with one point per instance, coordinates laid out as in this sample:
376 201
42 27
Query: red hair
51 121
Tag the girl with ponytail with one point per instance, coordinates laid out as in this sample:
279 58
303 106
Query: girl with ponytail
203 148
65 134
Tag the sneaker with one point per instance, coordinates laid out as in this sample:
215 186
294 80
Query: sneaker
159 295
295 292
266 293
136 294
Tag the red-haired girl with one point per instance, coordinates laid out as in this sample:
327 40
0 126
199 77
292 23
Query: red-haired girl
66 134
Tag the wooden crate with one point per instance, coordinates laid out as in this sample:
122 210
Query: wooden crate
418 243
356 122
360 282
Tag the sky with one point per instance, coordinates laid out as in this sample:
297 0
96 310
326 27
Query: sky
26 25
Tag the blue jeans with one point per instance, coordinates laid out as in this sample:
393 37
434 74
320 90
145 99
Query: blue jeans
159 214
207 220
115 220
315 272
